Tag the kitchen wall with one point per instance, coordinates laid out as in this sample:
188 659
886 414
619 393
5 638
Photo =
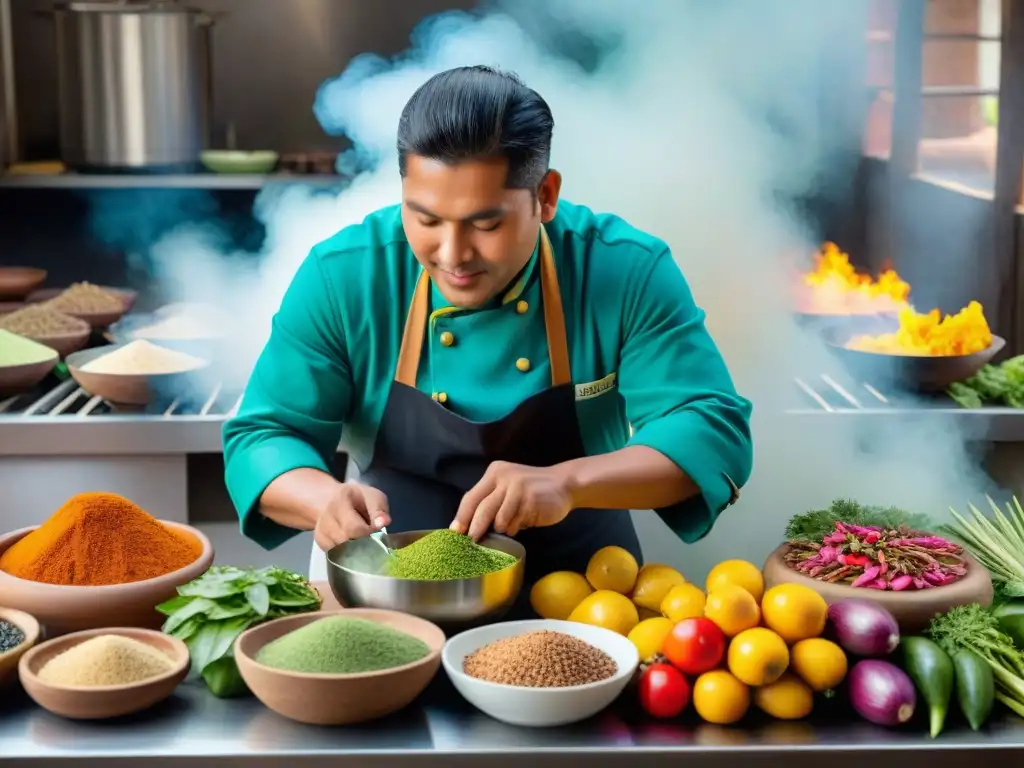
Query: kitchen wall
269 57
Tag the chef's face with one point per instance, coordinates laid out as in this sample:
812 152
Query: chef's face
472 234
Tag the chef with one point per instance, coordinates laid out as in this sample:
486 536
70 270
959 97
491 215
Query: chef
490 356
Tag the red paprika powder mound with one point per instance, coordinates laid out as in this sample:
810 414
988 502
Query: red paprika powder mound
98 539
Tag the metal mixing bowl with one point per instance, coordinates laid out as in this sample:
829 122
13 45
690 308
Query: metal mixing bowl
355 572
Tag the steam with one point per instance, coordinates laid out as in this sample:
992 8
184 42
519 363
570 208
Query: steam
698 121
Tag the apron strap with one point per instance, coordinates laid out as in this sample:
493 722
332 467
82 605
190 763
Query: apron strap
554 323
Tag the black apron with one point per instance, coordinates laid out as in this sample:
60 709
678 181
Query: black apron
427 457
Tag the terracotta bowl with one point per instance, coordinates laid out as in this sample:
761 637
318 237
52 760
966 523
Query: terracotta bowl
9 659
19 282
912 609
62 609
126 389
100 702
94 319
65 343
338 699
15 379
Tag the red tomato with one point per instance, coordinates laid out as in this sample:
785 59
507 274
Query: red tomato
694 646
664 692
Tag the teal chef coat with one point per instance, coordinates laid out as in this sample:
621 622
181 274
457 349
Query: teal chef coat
645 369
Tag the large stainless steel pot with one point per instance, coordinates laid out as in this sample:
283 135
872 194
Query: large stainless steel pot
134 84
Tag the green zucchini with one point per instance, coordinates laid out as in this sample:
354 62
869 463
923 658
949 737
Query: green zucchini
975 687
932 672
1011 621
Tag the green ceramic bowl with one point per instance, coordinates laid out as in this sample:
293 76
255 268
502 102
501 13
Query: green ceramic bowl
229 161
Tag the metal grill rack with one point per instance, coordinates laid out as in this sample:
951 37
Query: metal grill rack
61 418
829 395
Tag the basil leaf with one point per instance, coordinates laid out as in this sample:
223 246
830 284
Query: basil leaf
186 629
258 596
229 610
226 634
223 678
200 645
212 589
193 608
168 607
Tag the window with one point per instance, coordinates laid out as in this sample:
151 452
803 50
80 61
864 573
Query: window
881 38
960 92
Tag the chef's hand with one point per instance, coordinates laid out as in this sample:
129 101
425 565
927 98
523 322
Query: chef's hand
354 511
512 498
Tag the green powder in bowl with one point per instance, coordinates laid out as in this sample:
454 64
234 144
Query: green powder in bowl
17 350
342 645
443 555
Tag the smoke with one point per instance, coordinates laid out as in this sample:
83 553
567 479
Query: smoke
708 124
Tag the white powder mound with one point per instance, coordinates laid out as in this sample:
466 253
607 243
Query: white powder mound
142 358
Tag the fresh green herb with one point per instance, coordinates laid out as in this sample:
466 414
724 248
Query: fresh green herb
816 524
210 612
973 628
997 542
1001 384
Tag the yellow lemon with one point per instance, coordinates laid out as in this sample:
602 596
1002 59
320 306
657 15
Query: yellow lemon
758 656
653 583
788 698
685 601
649 635
720 698
614 569
555 595
794 611
607 609
737 573
821 663
732 608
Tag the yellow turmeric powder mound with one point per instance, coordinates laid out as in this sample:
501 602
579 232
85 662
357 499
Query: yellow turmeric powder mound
98 539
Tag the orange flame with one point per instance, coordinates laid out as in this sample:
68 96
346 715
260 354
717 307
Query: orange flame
834 287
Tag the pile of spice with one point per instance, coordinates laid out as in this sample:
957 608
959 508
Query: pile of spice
443 555
106 660
37 321
542 659
141 358
17 350
875 557
10 636
341 645
97 539
86 298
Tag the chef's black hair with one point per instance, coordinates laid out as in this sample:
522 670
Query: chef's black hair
476 112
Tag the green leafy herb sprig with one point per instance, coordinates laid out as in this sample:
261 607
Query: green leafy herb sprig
815 524
210 613
1001 384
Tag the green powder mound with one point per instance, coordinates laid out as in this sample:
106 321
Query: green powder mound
444 555
17 350
339 645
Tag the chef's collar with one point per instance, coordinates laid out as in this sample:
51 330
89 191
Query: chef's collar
516 289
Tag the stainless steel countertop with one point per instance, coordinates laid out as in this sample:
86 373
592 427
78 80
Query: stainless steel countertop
194 728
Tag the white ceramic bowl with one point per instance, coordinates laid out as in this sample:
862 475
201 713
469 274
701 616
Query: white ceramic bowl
539 707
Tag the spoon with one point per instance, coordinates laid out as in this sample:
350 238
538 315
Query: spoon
379 538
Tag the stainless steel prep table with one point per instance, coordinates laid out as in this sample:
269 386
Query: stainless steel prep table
195 729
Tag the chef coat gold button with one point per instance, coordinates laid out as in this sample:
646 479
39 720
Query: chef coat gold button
523 364
521 307
447 338
434 397
442 397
